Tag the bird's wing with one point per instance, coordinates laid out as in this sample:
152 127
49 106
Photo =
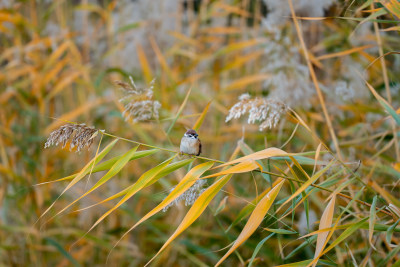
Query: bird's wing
199 147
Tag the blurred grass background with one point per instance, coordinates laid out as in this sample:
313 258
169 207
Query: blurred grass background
59 61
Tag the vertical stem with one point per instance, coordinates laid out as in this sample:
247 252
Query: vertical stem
387 87
315 81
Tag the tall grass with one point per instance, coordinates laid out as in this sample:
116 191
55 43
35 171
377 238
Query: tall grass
296 104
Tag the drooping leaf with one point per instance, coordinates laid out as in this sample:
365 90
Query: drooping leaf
115 169
196 210
325 222
242 167
255 218
372 221
200 120
308 183
247 210
146 178
335 225
83 172
263 154
190 178
106 165
167 170
247 151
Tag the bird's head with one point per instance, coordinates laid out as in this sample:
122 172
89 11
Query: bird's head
191 134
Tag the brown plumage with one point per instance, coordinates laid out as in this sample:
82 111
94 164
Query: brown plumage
190 143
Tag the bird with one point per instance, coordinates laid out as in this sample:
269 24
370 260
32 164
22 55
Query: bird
190 143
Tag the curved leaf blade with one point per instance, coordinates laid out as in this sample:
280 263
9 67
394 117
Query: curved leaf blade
325 222
245 166
263 154
190 178
115 169
248 209
200 120
133 189
255 219
106 165
196 210
372 221
83 172
308 183
167 170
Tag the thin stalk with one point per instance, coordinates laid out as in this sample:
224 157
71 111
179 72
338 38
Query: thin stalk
261 171
387 87
315 81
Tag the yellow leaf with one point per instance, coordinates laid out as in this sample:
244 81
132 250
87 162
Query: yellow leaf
200 120
83 172
325 222
263 154
307 184
190 178
112 172
255 219
245 166
196 210
136 187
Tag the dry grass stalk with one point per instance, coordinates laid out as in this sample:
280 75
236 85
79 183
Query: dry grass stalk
189 195
138 102
266 111
79 135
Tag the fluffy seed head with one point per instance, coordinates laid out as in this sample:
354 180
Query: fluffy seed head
189 195
266 111
79 135
139 103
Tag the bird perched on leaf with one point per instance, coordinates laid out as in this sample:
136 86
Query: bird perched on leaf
190 143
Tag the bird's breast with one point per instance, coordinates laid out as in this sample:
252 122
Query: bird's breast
189 146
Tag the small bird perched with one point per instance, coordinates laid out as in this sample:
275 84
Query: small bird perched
190 143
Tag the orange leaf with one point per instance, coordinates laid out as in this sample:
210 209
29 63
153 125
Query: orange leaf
196 210
326 222
255 219
263 154
245 166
